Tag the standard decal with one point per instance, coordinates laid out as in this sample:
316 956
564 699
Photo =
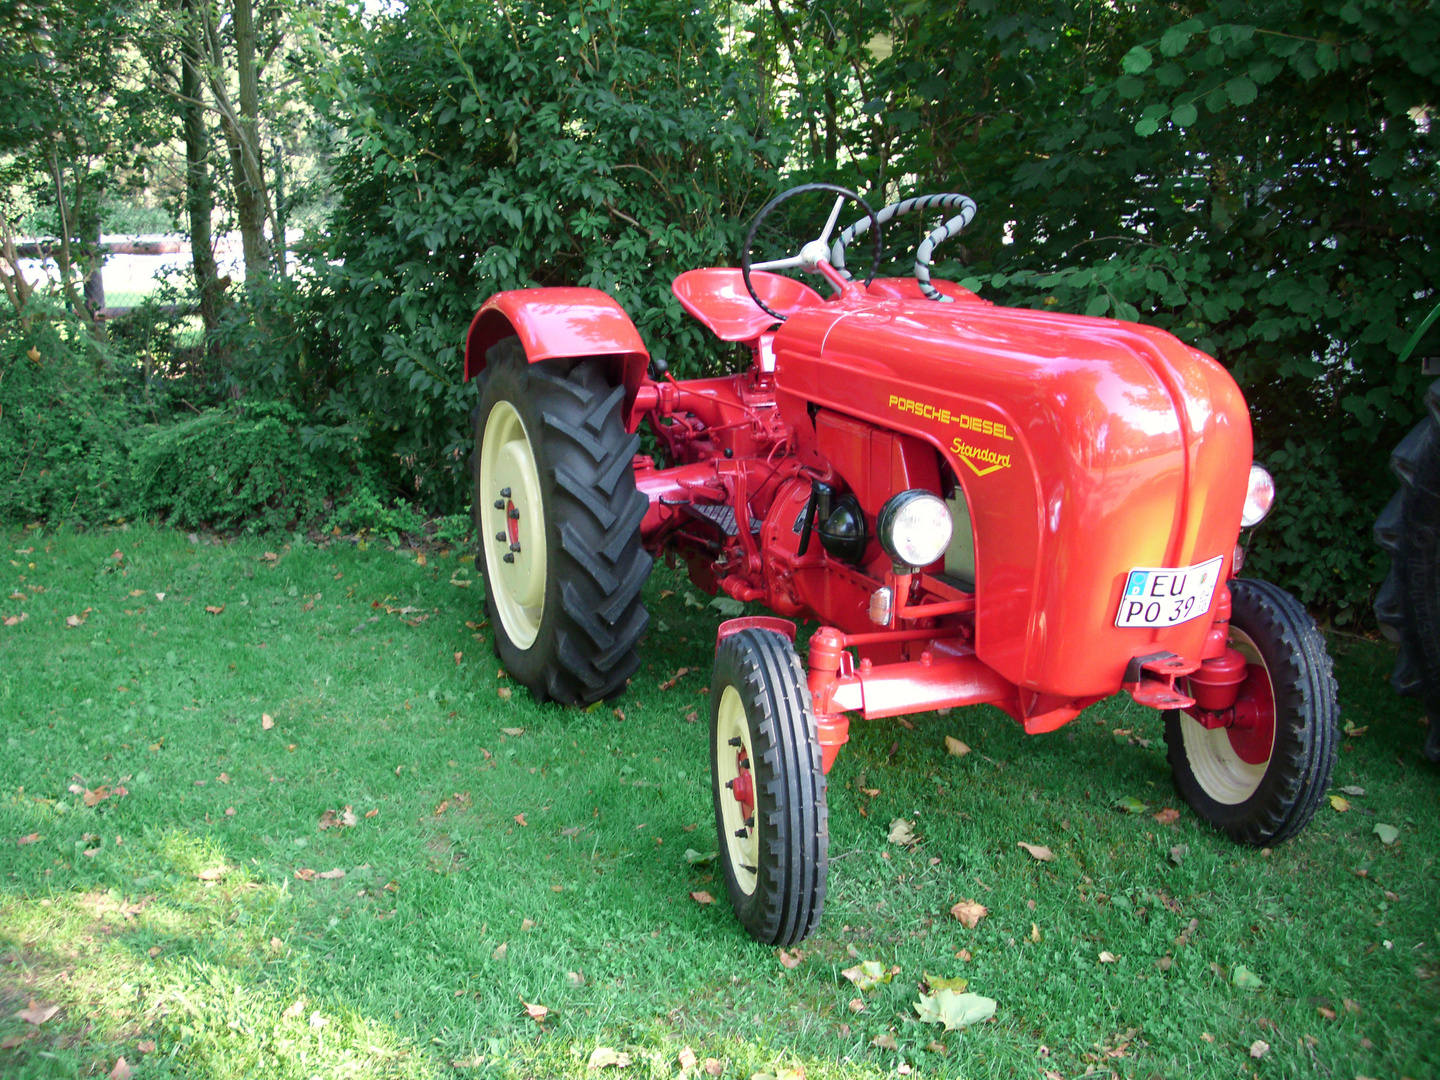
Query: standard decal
981 461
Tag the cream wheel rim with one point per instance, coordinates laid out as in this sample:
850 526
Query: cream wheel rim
735 762
1219 770
513 534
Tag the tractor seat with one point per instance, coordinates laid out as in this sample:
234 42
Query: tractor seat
718 298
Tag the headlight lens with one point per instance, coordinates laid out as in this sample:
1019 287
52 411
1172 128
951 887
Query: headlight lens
915 527
1259 498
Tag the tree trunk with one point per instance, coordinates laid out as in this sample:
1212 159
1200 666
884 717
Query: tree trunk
252 204
199 200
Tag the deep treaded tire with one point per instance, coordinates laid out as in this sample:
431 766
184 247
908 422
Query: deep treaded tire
560 535
774 845
1271 799
1408 604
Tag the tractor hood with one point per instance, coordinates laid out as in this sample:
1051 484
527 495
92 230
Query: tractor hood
1085 447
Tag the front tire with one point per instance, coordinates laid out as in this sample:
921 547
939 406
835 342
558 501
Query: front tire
1262 785
768 787
557 516
1408 604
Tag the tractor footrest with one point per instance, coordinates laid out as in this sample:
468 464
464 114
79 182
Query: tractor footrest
721 516
1150 680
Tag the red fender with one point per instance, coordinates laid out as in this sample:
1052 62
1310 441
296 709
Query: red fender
559 322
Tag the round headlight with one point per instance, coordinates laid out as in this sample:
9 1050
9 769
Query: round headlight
915 527
1259 497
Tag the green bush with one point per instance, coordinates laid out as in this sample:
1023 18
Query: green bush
67 412
246 466
1316 541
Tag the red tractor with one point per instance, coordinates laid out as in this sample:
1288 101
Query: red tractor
976 503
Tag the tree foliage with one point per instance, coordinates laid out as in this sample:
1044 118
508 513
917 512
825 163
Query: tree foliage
602 144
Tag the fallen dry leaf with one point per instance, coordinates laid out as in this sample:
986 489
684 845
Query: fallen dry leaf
214 609
305 874
294 1012
505 693
702 897
37 1014
1108 958
955 747
1325 1011
713 1066
969 912
790 959
602 1057
332 875
121 1071
500 951
1168 816
513 732
146 1046
520 820
535 1012
154 951
372 812
856 1005
337 819
884 1042
215 873
16 620
1351 1006
670 682
266 722
76 620
686 1058
1037 851
34 836
1259 1048
902 832
317 1021
1339 803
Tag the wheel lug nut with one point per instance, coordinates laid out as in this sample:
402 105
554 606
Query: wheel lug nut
729 783
504 493
749 822
514 514
735 740
501 535
499 504
507 557
742 834
514 547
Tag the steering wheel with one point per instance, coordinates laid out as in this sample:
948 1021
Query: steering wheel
944 201
809 257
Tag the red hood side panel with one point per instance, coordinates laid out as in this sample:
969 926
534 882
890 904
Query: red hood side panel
1085 447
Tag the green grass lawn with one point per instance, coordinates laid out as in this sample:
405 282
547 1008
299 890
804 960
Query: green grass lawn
195 923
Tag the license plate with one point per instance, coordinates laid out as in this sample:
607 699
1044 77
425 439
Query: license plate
1158 596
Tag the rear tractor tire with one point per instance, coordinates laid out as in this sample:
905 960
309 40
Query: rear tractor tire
1408 603
768 787
557 516
1262 784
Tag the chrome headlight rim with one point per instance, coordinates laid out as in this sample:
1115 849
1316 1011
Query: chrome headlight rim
1259 496
913 524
